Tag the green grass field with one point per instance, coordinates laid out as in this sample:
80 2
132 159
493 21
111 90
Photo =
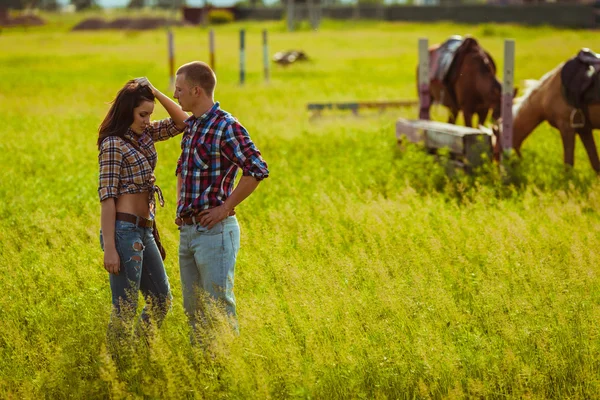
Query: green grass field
365 271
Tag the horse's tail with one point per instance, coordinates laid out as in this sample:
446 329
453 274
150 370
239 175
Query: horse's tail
497 86
470 43
491 60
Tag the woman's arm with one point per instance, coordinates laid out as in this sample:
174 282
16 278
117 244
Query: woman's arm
174 110
107 223
110 160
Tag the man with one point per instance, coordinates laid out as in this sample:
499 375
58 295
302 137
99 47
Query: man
214 146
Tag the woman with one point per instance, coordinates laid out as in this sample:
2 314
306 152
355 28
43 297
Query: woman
127 194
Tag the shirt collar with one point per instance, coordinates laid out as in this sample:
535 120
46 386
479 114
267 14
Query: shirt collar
204 116
130 135
136 138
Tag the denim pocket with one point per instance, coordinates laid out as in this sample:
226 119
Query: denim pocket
124 226
215 230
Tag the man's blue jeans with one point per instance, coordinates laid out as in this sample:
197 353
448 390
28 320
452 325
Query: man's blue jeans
207 265
142 269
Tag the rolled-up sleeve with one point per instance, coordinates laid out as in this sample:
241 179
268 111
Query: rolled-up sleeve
239 148
163 129
110 160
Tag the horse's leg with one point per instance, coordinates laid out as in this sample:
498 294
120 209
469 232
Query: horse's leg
568 138
482 116
468 114
587 137
453 115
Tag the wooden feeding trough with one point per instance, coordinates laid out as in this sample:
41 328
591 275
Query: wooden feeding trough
470 147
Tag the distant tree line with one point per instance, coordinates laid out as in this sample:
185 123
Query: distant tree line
86 4
50 5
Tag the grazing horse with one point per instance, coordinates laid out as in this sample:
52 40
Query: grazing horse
463 78
548 100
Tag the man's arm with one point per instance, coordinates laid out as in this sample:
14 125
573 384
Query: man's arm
244 188
237 147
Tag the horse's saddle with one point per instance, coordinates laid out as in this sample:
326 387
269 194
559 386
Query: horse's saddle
588 56
442 58
580 78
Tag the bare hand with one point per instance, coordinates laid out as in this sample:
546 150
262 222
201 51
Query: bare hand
143 81
112 261
209 218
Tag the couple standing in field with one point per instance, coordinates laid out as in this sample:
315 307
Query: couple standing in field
213 147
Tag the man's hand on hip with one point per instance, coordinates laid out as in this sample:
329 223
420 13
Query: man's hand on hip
210 217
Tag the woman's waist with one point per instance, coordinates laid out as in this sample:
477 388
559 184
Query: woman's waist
136 187
134 203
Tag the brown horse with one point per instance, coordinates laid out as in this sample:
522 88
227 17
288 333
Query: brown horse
470 85
544 101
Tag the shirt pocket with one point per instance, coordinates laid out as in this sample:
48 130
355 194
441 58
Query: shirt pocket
202 156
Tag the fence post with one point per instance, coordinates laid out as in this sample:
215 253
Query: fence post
424 96
266 55
507 94
211 47
171 58
242 56
290 15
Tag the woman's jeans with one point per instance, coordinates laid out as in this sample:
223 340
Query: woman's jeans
207 265
141 268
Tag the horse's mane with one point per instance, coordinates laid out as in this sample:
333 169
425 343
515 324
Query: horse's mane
531 87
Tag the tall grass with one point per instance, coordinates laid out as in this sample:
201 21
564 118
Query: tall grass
366 271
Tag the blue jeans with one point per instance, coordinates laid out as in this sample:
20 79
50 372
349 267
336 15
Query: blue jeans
142 269
207 267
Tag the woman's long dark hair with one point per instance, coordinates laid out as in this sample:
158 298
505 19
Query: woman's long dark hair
120 116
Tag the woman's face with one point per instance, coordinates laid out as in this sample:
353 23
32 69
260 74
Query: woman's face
141 116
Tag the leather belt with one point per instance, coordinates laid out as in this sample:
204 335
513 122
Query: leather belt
194 219
134 219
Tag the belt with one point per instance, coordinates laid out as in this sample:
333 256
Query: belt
194 219
134 219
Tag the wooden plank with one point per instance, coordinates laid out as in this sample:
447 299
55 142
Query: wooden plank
469 145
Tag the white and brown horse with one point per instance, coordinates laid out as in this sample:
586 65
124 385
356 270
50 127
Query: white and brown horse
543 100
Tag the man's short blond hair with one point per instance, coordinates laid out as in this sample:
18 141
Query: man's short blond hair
199 73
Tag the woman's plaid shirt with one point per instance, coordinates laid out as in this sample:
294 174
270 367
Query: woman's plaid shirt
129 168
214 146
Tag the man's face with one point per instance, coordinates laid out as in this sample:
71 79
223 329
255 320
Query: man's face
141 116
184 93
